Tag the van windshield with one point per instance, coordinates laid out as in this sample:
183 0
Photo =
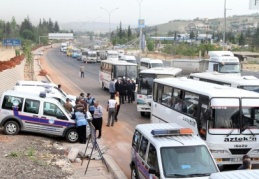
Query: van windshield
182 162
157 65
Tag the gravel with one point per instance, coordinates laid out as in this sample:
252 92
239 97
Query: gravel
27 156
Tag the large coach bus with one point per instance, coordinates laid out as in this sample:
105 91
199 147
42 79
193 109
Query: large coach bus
115 70
145 85
249 83
226 118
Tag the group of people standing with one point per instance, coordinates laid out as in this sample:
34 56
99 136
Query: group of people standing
126 89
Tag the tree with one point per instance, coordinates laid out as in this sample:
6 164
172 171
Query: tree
50 25
129 33
241 40
8 29
56 27
26 24
192 35
120 33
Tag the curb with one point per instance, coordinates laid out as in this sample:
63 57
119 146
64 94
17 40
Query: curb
114 168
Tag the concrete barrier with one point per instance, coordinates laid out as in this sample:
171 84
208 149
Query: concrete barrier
9 77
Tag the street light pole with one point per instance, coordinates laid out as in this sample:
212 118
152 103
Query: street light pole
224 33
140 27
109 13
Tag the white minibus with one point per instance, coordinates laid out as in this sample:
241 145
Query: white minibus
146 63
226 118
128 58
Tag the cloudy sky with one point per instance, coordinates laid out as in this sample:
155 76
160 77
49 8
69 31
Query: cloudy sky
153 11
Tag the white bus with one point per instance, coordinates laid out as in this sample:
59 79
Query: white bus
249 83
110 69
145 85
226 118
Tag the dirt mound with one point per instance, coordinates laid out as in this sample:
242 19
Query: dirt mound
4 65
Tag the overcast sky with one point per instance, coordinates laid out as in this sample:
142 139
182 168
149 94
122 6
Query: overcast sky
153 11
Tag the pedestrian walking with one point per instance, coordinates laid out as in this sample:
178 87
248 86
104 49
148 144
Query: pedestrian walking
81 124
117 98
90 101
111 108
82 71
68 106
98 118
112 88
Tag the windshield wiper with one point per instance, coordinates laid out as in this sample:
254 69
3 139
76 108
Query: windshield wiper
189 175
199 174
178 175
230 132
246 127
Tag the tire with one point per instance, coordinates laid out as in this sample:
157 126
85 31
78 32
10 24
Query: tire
134 173
11 128
142 114
72 135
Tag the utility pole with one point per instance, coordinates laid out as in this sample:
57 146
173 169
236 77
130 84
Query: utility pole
140 26
224 32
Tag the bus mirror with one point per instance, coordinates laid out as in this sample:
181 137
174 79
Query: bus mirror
208 114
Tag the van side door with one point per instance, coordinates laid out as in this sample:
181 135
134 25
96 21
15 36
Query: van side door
53 120
31 115
152 160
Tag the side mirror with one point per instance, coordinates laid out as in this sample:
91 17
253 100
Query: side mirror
153 171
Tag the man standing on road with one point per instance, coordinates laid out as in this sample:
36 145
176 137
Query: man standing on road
117 98
111 108
82 71
98 118
112 89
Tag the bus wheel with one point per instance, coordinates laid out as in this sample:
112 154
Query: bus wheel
142 114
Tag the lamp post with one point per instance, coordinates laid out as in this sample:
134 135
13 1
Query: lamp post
109 13
225 25
140 27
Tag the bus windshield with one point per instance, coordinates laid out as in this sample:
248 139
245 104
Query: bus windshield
125 71
250 88
229 68
146 84
177 164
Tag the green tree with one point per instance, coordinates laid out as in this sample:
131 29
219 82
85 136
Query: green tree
150 45
192 35
50 26
56 27
241 40
8 30
129 33
26 24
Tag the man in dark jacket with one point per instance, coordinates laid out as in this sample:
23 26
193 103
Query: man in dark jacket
130 89
121 89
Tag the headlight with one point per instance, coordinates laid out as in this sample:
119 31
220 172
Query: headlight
255 151
218 151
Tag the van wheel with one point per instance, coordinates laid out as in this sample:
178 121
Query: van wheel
134 174
72 135
142 114
11 128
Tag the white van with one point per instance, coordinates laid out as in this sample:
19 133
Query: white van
91 57
45 84
112 55
50 92
146 63
236 174
128 58
169 151
35 113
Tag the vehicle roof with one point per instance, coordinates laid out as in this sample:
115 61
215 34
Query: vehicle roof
128 57
162 71
166 141
232 79
112 51
236 174
220 53
150 60
117 62
204 88
28 95
34 83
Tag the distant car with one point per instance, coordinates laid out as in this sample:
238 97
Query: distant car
40 53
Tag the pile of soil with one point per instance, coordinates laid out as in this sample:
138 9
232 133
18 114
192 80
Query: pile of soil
4 65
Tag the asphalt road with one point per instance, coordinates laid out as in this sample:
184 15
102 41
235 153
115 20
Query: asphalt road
117 138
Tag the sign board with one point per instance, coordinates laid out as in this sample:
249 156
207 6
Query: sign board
254 4
61 36
141 23
11 42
